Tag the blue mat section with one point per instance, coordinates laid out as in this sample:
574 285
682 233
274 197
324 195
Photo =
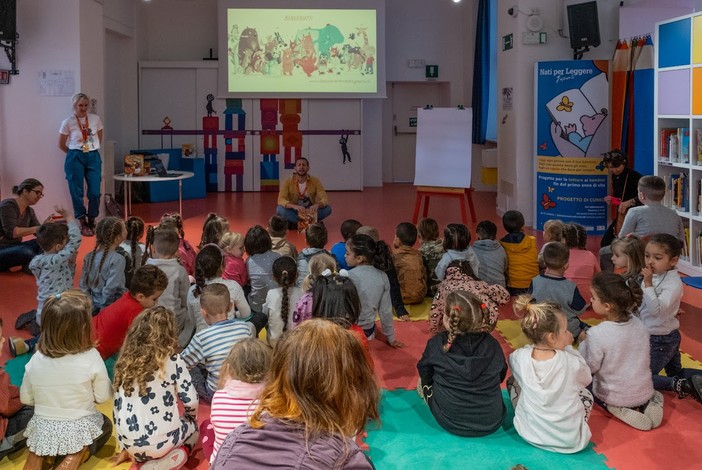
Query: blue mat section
410 438
695 282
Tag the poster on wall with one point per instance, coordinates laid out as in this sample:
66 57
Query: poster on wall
571 133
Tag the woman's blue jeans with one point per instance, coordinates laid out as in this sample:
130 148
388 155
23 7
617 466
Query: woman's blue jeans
84 166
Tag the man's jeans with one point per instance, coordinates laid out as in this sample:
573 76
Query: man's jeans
291 214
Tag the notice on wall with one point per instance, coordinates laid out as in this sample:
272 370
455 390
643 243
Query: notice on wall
56 83
572 131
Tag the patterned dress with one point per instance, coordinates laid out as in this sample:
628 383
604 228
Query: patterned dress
492 295
149 426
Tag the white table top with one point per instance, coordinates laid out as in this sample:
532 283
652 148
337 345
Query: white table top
148 179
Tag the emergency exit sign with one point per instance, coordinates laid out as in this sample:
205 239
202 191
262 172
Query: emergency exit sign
432 71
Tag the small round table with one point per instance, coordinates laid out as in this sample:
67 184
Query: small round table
129 179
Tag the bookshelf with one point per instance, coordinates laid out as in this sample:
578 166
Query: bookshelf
678 127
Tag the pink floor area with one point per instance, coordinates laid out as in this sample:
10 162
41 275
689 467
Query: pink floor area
674 445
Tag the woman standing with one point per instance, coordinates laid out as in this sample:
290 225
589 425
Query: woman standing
80 136
625 184
17 220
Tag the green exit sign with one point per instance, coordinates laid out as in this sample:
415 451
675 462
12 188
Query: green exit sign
507 42
432 71
413 122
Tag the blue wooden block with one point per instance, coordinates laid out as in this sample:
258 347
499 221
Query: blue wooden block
674 43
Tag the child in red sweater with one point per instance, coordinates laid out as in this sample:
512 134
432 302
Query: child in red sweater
111 324
13 415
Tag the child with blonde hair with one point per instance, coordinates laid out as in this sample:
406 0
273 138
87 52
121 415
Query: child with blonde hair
232 244
462 368
212 229
149 375
281 301
628 256
619 354
301 421
547 387
65 420
460 276
104 268
303 307
240 384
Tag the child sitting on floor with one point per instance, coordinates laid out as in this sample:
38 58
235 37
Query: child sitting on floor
186 252
457 247
460 276
208 270
373 287
104 268
55 269
411 273
131 245
277 229
462 368
164 252
432 249
209 347
110 326
582 263
554 231
618 354
151 381
241 382
303 308
13 415
63 381
232 244
212 229
316 238
492 257
338 250
259 265
547 387
554 287
522 264
281 301
628 257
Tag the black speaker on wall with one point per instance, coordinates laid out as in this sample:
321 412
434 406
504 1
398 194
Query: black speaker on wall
583 25
8 20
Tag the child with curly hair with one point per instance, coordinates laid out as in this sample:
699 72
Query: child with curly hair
460 276
150 382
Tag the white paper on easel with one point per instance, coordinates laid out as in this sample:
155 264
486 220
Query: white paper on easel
443 156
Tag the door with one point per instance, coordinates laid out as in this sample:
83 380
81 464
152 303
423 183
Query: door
407 97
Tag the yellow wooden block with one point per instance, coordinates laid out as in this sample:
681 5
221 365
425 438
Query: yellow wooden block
488 176
697 40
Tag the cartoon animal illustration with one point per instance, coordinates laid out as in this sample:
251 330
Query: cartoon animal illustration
288 62
590 143
308 46
354 57
308 65
248 45
233 49
367 50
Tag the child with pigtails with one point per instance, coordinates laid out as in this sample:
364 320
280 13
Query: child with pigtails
462 368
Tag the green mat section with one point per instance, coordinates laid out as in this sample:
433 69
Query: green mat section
15 368
409 438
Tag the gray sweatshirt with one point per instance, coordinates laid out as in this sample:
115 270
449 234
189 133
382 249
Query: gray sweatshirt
493 261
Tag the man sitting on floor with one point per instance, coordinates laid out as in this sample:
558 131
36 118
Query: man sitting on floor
302 192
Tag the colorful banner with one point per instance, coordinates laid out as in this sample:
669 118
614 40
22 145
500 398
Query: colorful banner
572 131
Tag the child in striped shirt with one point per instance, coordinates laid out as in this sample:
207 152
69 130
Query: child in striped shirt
241 381
208 349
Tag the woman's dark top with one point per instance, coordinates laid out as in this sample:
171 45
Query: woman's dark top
10 218
629 187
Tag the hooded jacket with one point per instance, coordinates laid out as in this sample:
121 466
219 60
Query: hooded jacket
465 396
550 413
522 258
493 261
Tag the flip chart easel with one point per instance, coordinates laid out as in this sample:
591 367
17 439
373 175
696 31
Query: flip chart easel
424 193
443 158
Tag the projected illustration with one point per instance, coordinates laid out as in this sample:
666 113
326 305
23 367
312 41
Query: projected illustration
301 50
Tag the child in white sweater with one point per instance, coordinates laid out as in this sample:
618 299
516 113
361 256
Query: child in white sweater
547 387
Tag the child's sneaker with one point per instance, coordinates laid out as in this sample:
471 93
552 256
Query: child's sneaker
18 346
173 460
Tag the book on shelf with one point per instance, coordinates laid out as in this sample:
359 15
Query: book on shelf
675 145
685 252
699 196
698 145
698 255
677 194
